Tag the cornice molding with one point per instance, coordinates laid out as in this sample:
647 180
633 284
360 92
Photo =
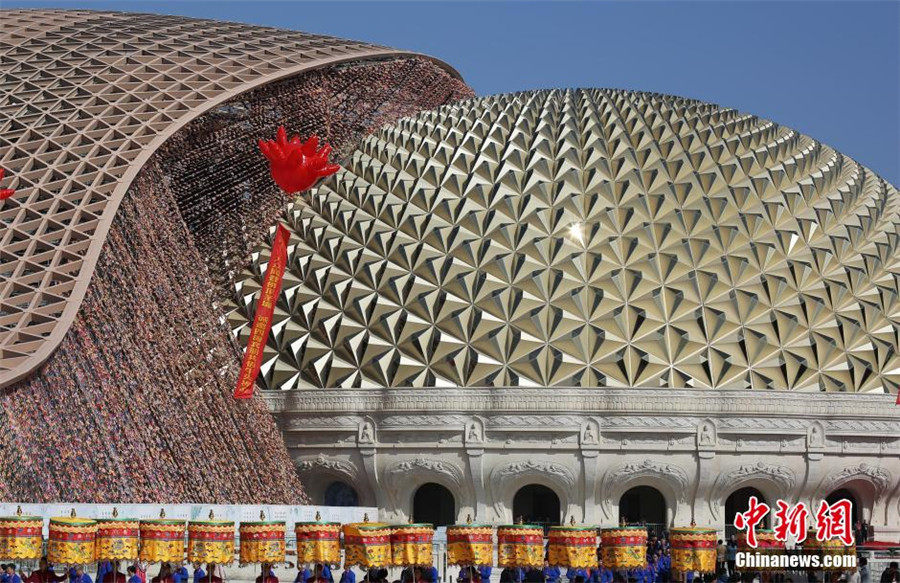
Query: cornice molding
631 401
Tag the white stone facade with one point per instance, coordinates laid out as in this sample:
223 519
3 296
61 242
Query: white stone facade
592 445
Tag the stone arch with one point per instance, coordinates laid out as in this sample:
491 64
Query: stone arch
643 511
438 505
867 483
340 493
739 499
320 472
508 479
670 480
848 493
773 481
403 480
537 504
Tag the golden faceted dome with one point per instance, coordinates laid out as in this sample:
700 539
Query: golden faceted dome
589 238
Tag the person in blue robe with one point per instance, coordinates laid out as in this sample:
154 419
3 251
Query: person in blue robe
348 576
4 577
133 577
551 574
179 575
485 573
104 568
80 576
11 575
199 573
579 572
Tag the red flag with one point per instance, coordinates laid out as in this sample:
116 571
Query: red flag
262 322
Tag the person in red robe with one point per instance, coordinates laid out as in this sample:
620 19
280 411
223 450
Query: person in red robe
114 576
44 574
211 576
267 575
318 575
165 574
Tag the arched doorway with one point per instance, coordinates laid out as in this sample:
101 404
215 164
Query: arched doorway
340 494
434 504
644 505
843 494
537 504
739 501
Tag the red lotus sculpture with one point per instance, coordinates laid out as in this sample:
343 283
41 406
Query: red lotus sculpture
295 166
5 192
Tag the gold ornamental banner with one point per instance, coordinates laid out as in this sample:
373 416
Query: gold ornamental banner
21 538
211 541
117 539
766 544
572 546
162 541
470 545
624 547
520 545
71 541
411 545
318 543
693 549
367 545
263 542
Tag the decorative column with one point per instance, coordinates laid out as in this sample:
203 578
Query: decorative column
707 442
473 438
590 469
367 442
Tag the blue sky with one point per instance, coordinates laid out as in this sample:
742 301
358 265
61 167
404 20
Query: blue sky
829 69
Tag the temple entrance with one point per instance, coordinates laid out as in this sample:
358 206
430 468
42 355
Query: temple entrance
842 494
739 501
536 504
644 505
340 494
434 504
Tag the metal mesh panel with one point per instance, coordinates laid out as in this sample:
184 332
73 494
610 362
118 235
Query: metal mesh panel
88 96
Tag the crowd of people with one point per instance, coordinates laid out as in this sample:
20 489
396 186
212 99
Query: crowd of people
658 570
136 404
224 190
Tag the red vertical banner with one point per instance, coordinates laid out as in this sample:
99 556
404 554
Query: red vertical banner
262 322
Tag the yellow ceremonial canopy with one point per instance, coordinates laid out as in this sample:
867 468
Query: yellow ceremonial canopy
470 545
71 540
263 541
572 547
624 547
162 540
211 541
411 545
367 545
693 549
21 537
520 545
318 543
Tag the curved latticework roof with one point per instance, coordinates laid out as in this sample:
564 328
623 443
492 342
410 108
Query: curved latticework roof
88 97
590 238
